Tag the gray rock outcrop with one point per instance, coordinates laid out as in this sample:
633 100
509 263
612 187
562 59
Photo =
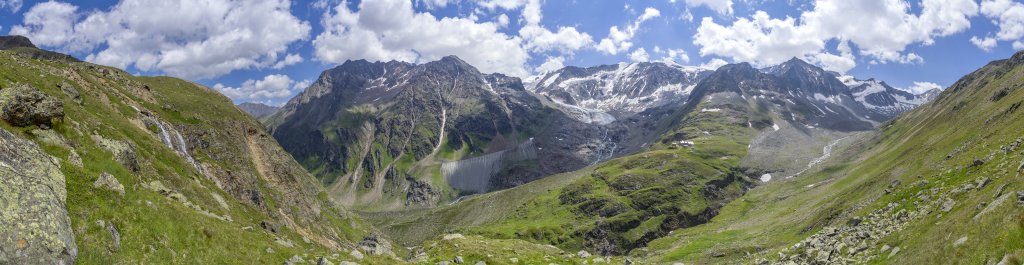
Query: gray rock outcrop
24 105
71 92
376 245
108 181
33 211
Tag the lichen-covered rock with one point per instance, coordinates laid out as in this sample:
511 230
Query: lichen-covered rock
71 92
376 245
24 105
108 181
123 151
33 213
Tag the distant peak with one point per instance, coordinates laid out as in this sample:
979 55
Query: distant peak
452 59
796 61
737 67
14 41
355 62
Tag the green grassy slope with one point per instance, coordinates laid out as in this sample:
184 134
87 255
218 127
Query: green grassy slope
171 212
609 208
939 182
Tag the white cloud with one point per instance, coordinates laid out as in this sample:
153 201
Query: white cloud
921 87
435 4
882 30
566 39
391 30
271 90
539 39
192 39
721 6
640 55
1018 45
1008 16
48 23
621 40
678 56
288 60
503 4
13 5
551 64
503 20
985 44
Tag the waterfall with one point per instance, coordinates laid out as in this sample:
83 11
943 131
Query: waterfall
163 134
181 147
474 174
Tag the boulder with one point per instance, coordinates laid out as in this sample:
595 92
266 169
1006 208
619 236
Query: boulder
960 241
109 182
977 162
71 92
459 260
24 105
895 250
75 160
124 152
115 235
35 224
583 254
294 260
356 254
947 205
453 236
376 245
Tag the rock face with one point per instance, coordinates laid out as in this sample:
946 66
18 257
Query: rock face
258 110
24 105
71 92
363 127
33 213
882 100
622 89
9 42
804 95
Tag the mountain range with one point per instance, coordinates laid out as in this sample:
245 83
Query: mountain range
391 135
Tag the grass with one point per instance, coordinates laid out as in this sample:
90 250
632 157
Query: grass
153 227
633 196
910 149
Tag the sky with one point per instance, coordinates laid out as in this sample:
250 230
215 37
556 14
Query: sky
269 50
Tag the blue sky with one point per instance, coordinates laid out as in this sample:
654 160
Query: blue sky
267 51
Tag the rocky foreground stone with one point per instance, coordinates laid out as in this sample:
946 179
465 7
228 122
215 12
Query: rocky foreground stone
24 105
33 214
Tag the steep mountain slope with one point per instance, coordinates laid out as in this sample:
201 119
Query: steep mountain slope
155 170
602 94
390 135
259 111
882 100
938 185
617 91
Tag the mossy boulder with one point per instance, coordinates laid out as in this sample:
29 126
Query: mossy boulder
25 105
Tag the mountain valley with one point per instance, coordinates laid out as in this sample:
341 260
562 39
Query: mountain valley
441 163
